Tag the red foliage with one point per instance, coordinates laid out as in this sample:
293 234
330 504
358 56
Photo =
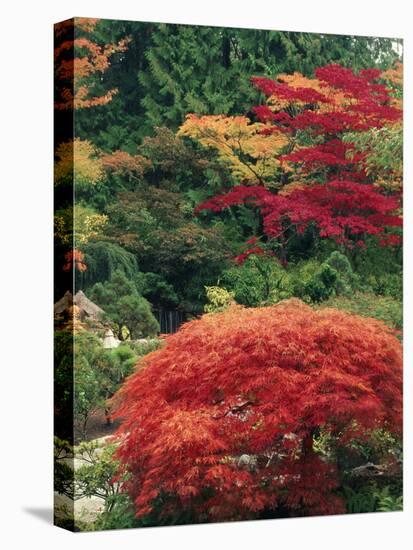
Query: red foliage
331 153
264 113
340 209
284 91
328 123
222 418
357 86
364 103
254 248
346 203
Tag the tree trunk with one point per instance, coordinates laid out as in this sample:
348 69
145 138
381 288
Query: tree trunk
226 52
108 417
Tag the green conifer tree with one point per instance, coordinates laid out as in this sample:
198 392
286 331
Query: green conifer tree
206 70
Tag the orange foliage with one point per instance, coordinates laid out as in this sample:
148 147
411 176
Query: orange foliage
74 260
335 99
122 163
85 24
240 144
76 60
292 186
394 78
222 418
394 75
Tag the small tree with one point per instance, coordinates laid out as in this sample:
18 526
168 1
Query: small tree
96 374
222 419
125 306
96 476
334 277
324 184
87 385
257 280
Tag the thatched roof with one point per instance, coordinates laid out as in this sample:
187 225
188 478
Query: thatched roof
86 307
63 304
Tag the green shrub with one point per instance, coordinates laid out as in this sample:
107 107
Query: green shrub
125 306
333 277
262 280
321 286
143 347
259 280
371 498
380 269
219 299
384 308
120 516
388 502
389 284
346 279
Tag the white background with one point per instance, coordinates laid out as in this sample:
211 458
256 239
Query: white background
26 273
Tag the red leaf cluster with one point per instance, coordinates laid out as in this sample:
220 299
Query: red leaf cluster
340 209
74 259
365 103
324 109
253 249
221 419
284 91
358 86
331 153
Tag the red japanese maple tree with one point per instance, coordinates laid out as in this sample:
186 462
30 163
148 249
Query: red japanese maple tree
330 188
339 208
222 419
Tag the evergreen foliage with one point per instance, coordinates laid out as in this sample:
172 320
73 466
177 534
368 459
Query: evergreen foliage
125 306
168 71
265 405
203 70
103 258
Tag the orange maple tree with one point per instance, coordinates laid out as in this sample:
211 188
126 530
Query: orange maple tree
78 58
222 419
251 156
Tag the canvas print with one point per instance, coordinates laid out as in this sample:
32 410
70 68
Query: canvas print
228 274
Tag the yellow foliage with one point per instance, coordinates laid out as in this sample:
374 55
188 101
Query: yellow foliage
219 299
250 156
292 186
76 226
78 162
